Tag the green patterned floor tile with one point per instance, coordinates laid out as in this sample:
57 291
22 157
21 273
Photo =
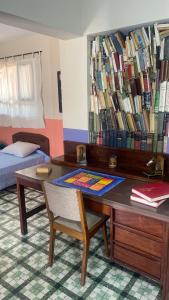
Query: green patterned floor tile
12 225
57 272
102 293
73 284
14 213
37 260
4 218
8 242
40 222
7 206
3 292
5 263
72 255
32 195
40 238
118 278
24 270
58 295
2 233
142 289
21 250
17 276
96 266
2 201
9 197
36 289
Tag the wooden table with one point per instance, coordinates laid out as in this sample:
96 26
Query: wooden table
139 235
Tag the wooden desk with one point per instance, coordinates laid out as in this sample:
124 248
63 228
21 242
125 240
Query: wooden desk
139 235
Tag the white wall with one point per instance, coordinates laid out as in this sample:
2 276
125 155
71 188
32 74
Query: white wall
54 16
50 65
99 15
69 18
73 62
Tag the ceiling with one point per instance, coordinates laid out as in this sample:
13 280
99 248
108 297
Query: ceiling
9 32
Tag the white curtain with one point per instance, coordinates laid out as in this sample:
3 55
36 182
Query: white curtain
20 93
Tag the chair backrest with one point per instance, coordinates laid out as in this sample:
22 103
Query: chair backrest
62 201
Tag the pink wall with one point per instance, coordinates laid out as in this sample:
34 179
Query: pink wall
53 130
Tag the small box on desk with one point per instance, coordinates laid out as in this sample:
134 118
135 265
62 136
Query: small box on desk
43 170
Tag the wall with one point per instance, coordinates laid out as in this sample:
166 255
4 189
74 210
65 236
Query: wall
99 16
73 60
50 65
78 17
53 130
59 17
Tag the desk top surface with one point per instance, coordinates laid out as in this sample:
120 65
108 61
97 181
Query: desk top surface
118 197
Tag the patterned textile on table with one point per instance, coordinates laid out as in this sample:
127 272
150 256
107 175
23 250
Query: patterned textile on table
89 182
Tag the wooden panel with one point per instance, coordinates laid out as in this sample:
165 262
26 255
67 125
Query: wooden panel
138 241
130 160
144 264
145 224
97 207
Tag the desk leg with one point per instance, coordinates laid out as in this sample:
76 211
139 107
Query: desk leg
22 208
165 283
111 234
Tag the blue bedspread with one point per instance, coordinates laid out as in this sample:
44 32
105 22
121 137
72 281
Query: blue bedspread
10 163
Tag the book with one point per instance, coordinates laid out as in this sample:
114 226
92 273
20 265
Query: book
143 143
43 170
152 191
163 89
130 86
149 141
136 198
160 143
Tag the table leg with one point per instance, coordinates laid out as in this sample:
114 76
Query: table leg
111 234
22 208
165 283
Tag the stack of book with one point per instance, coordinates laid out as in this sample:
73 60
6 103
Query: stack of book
152 194
130 87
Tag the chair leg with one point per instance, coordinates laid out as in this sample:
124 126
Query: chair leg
51 245
84 262
105 239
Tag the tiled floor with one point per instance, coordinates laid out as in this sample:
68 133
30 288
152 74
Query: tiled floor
24 273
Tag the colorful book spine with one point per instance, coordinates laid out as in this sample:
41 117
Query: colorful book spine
130 88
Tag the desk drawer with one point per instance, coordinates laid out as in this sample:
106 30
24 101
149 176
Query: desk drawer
138 241
142 223
97 207
138 262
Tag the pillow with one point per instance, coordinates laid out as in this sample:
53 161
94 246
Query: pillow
20 149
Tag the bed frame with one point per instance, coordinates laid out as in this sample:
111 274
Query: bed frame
34 138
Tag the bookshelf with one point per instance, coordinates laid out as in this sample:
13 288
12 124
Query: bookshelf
129 97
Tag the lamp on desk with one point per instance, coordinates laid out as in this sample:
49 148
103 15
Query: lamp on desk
155 166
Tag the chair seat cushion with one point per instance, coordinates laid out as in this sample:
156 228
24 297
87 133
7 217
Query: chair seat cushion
91 218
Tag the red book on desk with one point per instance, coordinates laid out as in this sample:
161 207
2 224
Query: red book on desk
152 191
136 198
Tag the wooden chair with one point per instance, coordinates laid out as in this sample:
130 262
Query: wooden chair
66 213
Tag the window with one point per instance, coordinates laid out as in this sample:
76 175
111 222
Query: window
25 77
20 93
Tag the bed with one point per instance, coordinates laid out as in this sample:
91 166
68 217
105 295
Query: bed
10 163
